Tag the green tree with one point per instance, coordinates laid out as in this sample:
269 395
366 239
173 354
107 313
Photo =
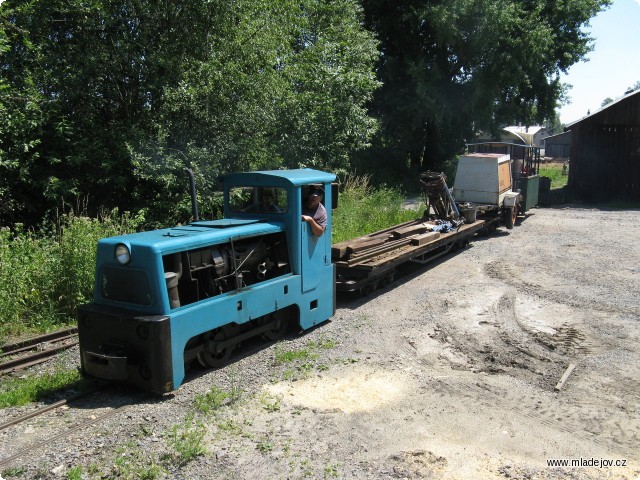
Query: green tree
295 97
95 73
128 93
553 124
450 68
21 115
330 77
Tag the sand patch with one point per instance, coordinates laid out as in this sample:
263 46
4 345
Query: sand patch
351 392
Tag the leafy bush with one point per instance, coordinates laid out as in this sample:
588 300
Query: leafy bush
26 264
45 276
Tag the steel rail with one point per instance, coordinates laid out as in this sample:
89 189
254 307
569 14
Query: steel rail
60 435
14 348
36 345
33 359
48 408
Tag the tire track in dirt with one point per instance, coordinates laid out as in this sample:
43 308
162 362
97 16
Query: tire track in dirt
586 421
597 430
499 270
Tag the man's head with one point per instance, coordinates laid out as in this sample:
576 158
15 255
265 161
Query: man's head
316 194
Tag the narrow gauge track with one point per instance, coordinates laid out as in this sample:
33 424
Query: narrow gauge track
253 346
81 424
36 350
27 416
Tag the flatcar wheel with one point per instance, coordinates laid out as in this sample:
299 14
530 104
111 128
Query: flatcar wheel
279 329
368 289
510 215
210 357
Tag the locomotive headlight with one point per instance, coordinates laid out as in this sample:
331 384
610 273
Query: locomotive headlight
122 253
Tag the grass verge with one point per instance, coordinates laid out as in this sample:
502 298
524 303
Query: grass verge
17 391
554 171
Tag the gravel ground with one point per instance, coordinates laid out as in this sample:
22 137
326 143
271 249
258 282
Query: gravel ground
447 374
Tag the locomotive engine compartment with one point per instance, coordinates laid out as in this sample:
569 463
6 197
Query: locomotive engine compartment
202 273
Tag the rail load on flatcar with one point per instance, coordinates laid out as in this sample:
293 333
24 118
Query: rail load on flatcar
165 298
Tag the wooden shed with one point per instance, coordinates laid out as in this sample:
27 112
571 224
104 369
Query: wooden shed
605 152
558 146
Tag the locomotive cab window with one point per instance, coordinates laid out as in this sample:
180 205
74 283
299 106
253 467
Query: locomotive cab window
249 199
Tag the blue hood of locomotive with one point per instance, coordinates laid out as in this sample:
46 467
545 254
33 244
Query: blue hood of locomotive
195 235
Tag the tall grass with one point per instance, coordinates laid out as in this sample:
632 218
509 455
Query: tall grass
44 276
363 209
554 172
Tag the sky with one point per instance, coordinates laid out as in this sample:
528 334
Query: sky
614 63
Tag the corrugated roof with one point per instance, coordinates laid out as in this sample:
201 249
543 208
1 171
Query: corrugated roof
557 135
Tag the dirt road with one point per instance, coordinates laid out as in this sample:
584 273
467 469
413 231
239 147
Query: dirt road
447 374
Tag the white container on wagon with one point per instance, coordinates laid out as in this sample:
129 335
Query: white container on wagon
484 180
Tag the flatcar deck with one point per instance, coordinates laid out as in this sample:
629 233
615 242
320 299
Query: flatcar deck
364 263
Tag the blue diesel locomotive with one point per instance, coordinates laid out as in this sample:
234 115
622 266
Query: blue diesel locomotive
166 298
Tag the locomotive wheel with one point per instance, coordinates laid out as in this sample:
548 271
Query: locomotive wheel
279 329
210 359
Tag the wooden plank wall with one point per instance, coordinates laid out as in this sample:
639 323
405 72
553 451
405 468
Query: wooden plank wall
605 153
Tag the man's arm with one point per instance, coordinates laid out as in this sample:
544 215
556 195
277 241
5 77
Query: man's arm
316 229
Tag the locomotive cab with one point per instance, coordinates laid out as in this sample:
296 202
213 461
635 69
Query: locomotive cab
166 298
